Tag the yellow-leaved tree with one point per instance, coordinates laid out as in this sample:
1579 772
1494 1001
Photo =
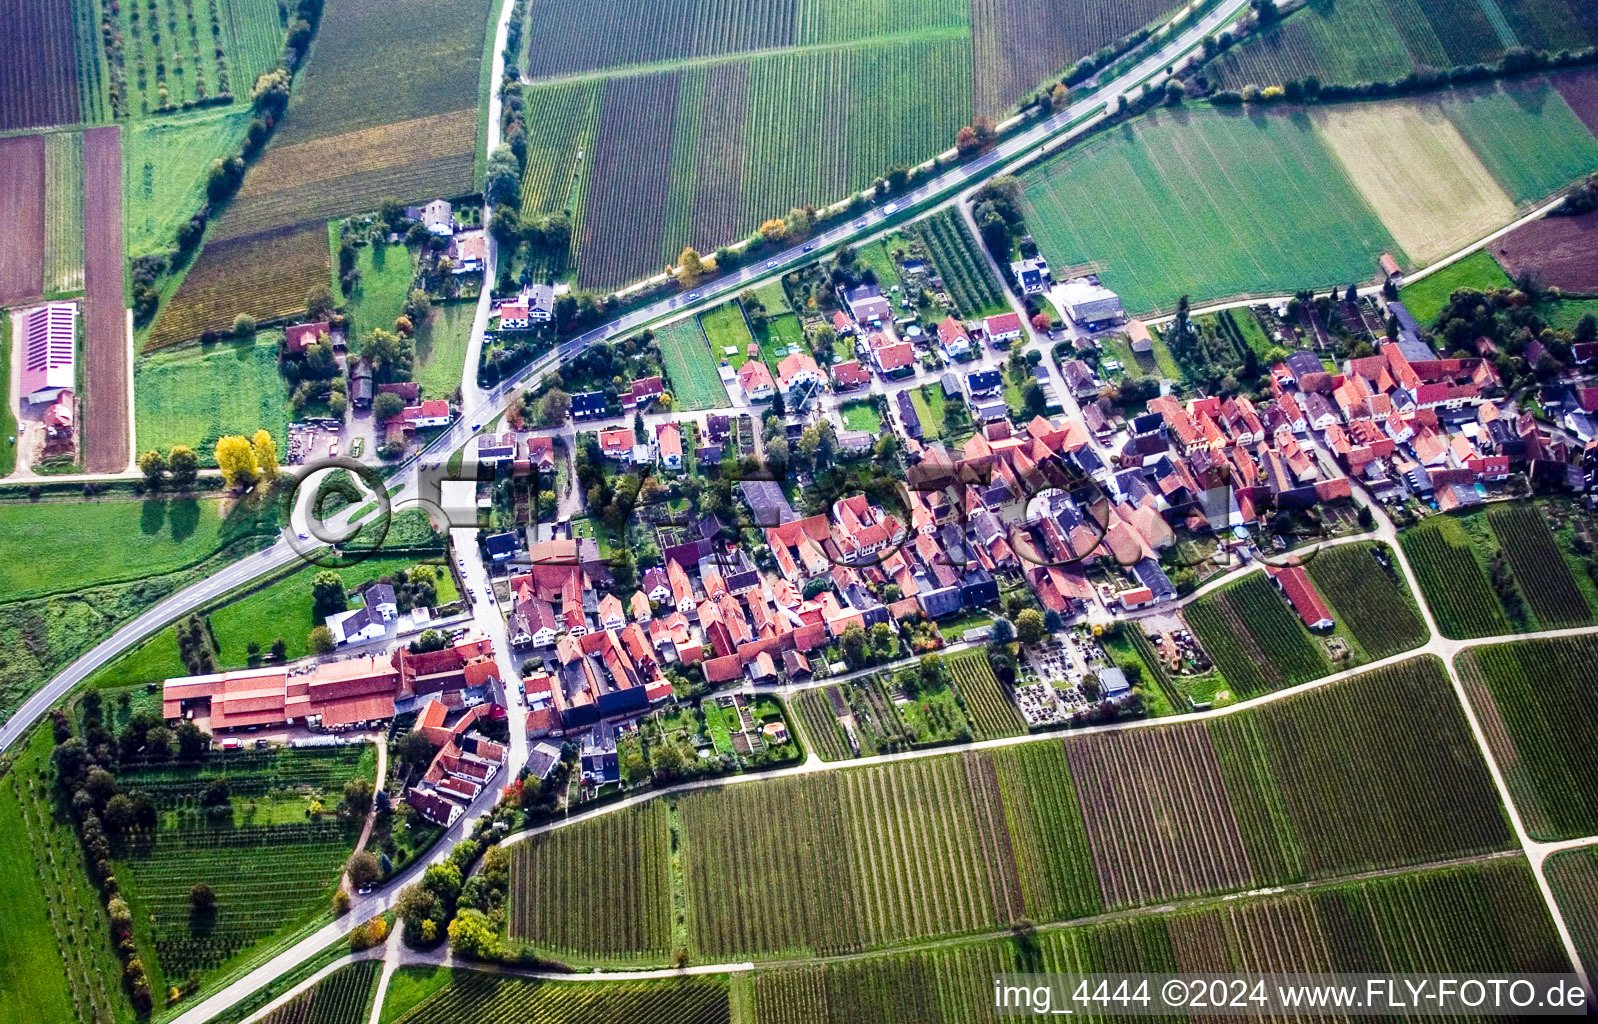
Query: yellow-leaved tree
235 456
265 454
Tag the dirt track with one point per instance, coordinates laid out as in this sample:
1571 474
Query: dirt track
21 219
104 410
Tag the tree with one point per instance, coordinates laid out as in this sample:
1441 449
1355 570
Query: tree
201 899
265 454
386 406
854 643
183 466
502 183
390 355
444 881
153 465
965 141
554 407
1003 631
1040 322
236 458
320 640
327 592
357 797
774 229
1060 97
634 769
473 935
363 869
337 405
1029 626
191 740
319 303
690 267
243 325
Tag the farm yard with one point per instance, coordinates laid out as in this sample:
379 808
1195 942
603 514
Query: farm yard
476 996
1476 157
626 913
198 394
107 447
38 64
1372 773
266 276
1480 916
1348 42
690 368
22 205
1369 598
1254 637
341 998
1535 700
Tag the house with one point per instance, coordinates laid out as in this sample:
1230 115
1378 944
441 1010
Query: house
1079 378
439 218
361 384
540 302
1138 333
434 413
497 451
669 439
500 547
983 382
850 375
893 358
867 305
468 251
60 417
841 324
532 623
1032 275
655 584
953 338
1002 329
299 337
611 615
1087 302
949 381
357 626
908 415
588 405
642 393
1295 585
541 453
616 443
47 352
756 381
514 316
798 373
409 391
380 598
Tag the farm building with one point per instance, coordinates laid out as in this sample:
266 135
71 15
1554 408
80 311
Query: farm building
1086 301
1138 333
1301 594
47 344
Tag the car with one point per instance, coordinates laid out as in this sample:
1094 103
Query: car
364 890
860 223
305 536
890 208
692 296
476 427
770 264
810 248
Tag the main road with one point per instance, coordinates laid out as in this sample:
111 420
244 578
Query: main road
482 407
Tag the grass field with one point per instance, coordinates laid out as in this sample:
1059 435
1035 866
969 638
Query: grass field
8 419
1372 602
386 273
473 995
1427 297
1437 199
690 367
193 396
441 346
624 912
1526 135
725 328
81 544
1254 637
1535 700
266 276
1452 580
164 165
860 416
1226 204
31 983
63 212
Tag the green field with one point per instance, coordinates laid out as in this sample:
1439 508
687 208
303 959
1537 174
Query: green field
75 544
822 731
1376 772
1476 917
861 416
163 173
1226 204
1372 602
63 213
1255 638
725 328
991 710
1445 560
1536 701
474 996
32 987
441 347
690 367
1505 123
8 419
194 396
960 263
1427 297
1353 41
386 272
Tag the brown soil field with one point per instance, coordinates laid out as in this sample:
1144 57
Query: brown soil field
1580 90
265 275
411 161
1563 250
104 415
21 219
38 64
